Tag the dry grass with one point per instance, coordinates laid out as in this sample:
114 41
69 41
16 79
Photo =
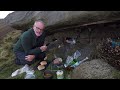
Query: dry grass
6 53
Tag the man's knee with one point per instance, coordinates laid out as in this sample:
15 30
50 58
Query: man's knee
23 62
20 59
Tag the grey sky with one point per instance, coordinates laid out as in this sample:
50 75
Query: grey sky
3 14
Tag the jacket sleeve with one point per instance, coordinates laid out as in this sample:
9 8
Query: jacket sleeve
27 45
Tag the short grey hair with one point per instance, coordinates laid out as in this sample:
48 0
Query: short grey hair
40 21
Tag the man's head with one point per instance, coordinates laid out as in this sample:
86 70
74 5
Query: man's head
38 27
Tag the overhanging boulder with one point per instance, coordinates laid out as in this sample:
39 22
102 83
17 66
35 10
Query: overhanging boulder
59 19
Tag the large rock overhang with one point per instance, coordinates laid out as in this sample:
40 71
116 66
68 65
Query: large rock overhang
60 20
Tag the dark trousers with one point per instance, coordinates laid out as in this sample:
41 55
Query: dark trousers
20 58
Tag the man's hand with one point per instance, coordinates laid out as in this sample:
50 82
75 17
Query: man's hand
43 48
29 57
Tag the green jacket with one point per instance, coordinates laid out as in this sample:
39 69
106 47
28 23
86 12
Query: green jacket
28 43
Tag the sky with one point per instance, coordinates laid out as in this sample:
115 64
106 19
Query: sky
3 14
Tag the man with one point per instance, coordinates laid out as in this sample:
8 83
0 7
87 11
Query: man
30 46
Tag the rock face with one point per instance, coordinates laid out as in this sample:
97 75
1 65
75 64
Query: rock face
4 29
59 19
94 69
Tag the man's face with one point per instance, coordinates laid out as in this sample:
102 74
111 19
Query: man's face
38 28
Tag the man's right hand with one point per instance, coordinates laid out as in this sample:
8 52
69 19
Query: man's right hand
43 48
29 57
